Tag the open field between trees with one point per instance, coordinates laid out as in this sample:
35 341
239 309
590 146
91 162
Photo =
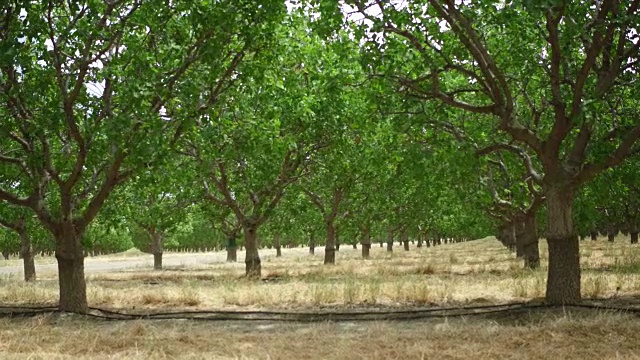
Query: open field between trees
479 272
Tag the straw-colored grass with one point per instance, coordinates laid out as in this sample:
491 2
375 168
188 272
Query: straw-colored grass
478 271
541 336
481 271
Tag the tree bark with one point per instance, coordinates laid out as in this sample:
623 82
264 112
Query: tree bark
563 278
278 246
232 249
527 241
594 235
506 235
312 245
157 248
70 257
157 261
611 235
420 240
330 245
404 235
366 242
26 252
520 237
634 236
390 240
252 258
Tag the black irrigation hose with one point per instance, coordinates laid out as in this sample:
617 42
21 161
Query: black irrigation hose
317 313
305 317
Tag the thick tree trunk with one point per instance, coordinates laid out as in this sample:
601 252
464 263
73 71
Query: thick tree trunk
70 257
330 245
26 253
355 246
157 248
563 279
594 235
634 236
611 235
366 242
5 254
278 246
252 258
232 249
390 240
420 240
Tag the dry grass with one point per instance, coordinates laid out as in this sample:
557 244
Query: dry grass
479 271
540 336
476 272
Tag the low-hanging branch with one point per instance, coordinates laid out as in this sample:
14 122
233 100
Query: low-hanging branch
526 159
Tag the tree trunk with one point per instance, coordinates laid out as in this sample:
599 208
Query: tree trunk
404 235
70 257
520 235
594 235
278 246
232 249
563 278
634 236
366 242
420 240
26 252
611 236
312 245
252 257
390 240
355 246
330 245
157 248
157 261
507 236
527 241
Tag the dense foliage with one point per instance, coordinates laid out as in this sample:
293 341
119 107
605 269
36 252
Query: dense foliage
223 124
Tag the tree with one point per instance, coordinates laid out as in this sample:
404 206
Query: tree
223 219
556 77
18 223
94 91
157 201
250 152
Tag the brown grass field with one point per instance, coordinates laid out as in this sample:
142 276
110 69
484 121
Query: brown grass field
477 272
